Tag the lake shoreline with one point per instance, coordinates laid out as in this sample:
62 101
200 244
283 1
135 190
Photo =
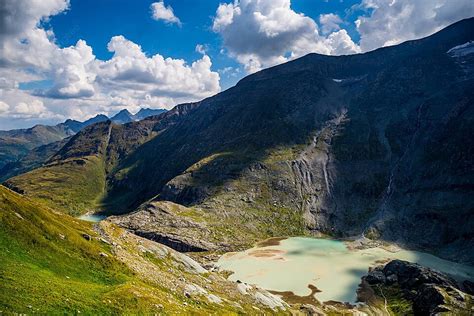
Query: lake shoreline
289 265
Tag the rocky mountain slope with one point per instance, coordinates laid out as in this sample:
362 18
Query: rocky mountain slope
371 144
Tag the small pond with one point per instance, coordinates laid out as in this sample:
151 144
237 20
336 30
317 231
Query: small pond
92 217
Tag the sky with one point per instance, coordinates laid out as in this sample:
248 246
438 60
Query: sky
64 59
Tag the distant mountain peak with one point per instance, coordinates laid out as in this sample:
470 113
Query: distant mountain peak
124 111
124 116
146 112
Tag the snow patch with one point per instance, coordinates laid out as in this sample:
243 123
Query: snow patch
462 50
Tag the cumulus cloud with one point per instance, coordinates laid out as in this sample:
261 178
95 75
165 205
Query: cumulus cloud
164 13
19 17
329 22
34 108
80 84
392 22
131 68
19 104
73 72
3 107
341 43
262 33
8 83
230 72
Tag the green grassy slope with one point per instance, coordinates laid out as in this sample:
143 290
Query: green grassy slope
48 267
73 186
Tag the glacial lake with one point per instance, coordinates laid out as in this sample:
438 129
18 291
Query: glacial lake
92 217
298 264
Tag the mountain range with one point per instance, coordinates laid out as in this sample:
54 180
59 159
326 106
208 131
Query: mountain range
122 117
374 146
17 144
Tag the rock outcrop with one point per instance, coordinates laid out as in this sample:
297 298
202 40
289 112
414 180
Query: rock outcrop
169 224
430 292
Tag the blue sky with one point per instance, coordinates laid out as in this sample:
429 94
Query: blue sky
132 20
64 59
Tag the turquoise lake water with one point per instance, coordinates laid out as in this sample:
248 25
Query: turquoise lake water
327 264
92 217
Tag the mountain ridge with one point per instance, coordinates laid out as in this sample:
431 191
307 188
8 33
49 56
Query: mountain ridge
16 145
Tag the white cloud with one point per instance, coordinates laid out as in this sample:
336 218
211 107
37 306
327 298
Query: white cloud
230 72
164 13
130 68
22 105
329 23
392 22
3 107
34 108
130 79
262 33
73 72
225 16
341 43
23 41
201 49
18 17
8 83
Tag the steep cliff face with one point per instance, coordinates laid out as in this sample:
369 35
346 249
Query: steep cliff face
373 144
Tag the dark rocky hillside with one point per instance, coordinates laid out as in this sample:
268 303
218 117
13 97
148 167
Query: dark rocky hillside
375 144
